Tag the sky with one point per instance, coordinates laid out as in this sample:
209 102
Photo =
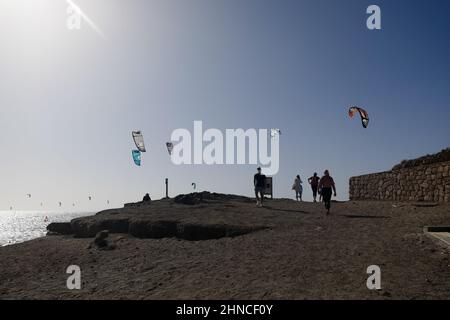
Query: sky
69 99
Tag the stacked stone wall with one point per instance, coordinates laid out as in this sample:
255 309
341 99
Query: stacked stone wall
429 182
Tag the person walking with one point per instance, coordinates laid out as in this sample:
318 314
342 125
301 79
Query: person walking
314 182
327 186
297 187
259 181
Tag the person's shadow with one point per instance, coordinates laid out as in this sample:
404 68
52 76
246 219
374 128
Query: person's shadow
287 210
350 216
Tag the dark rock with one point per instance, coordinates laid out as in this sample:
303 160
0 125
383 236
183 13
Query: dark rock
153 229
62 228
193 199
85 227
189 199
196 232
100 239
187 231
89 227
141 225
102 235
135 205
116 225
426 205
101 242
202 197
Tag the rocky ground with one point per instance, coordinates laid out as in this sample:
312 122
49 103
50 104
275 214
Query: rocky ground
223 247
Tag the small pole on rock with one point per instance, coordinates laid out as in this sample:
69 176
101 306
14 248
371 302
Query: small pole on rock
167 188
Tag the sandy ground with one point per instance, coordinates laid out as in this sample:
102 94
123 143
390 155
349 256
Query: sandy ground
302 255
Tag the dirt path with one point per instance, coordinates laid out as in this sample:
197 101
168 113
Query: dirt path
302 255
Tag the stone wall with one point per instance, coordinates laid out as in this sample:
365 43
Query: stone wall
429 182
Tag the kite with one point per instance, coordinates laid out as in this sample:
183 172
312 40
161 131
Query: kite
194 185
60 203
169 146
136 157
363 113
28 195
139 140
274 132
90 198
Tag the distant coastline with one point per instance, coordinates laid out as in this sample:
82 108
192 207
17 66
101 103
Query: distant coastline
17 226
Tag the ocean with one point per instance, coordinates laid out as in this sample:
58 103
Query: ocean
20 226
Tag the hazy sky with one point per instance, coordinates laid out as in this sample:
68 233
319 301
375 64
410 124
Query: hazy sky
70 99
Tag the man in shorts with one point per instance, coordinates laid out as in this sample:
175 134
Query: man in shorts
259 181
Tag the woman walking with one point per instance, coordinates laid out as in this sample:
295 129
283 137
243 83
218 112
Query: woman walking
314 182
297 187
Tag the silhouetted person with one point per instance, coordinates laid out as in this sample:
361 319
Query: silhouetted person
326 184
314 182
146 198
297 187
259 180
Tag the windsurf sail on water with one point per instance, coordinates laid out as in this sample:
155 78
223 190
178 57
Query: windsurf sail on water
139 140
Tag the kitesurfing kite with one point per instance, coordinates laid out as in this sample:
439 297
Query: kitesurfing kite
169 146
274 132
139 140
194 185
363 113
28 195
60 203
136 157
90 198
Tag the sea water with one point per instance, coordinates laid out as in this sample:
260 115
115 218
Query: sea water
20 226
